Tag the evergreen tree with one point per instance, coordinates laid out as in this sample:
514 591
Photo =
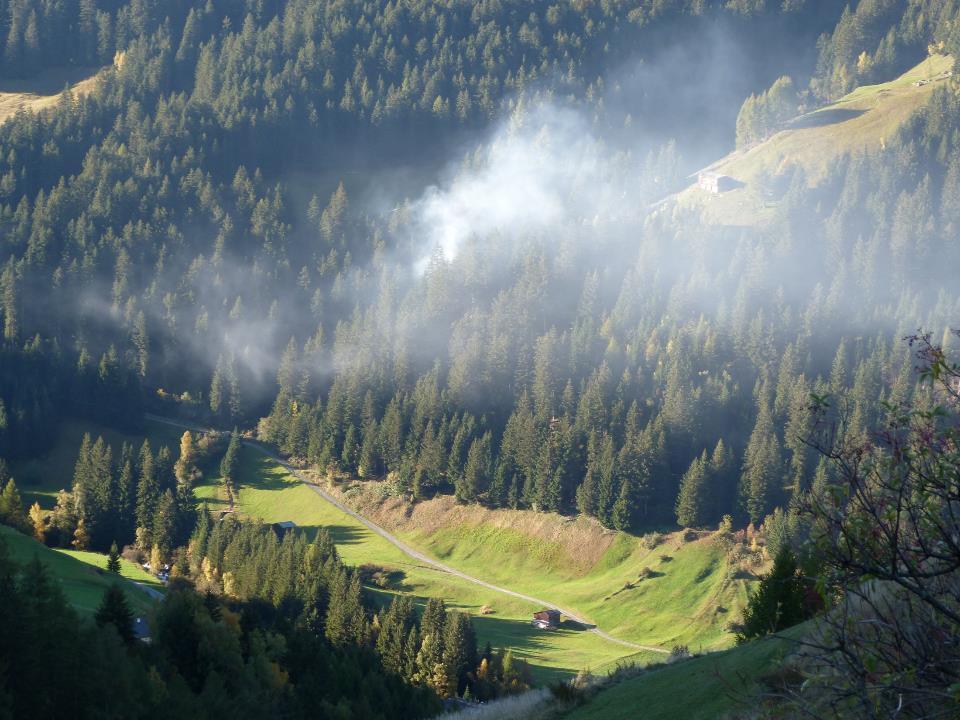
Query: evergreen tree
777 602
114 610
113 559
11 508
693 498
761 466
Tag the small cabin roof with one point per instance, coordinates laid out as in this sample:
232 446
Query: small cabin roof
141 628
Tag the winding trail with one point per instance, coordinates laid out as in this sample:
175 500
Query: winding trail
152 592
406 549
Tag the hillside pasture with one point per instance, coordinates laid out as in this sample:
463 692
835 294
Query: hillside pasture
81 576
266 491
861 122
707 687
673 592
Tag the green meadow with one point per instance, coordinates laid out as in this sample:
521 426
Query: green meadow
675 593
268 492
704 688
81 576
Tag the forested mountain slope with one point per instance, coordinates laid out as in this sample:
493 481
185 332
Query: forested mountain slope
561 355
445 248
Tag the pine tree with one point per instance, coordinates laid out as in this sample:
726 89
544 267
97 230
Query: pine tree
345 622
9 302
148 492
777 602
476 475
761 465
459 651
114 610
125 496
692 500
218 389
163 530
113 559
621 515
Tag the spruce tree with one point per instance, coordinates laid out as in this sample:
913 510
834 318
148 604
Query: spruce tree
113 559
692 500
777 602
114 610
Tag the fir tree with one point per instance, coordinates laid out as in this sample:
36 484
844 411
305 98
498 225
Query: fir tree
777 602
113 559
114 610
692 500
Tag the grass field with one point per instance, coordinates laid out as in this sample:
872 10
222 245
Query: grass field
676 602
704 688
862 121
268 492
80 575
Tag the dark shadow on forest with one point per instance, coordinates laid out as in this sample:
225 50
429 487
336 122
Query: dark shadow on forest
822 118
48 82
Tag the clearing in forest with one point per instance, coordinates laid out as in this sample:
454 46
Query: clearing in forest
43 90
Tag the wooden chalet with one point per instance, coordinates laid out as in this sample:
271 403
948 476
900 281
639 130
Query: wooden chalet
546 619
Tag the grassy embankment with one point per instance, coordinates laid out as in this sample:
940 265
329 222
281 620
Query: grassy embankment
667 593
862 121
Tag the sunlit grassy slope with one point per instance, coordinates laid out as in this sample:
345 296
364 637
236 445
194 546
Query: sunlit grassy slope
862 121
705 688
269 492
43 90
677 592
80 575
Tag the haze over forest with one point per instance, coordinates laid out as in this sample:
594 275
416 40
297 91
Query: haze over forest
470 249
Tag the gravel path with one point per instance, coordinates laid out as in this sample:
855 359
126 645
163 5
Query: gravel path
411 552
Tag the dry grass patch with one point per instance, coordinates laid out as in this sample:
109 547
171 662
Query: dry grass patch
578 543
44 90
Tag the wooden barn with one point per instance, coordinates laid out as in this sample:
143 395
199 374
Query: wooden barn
546 619
715 183
283 527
